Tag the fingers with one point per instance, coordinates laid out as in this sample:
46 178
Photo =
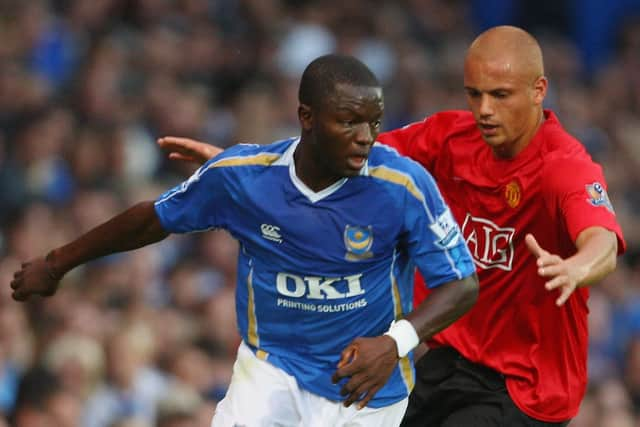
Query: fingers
348 355
564 285
356 386
565 293
367 397
18 293
345 367
533 246
32 279
181 157
550 266
553 266
362 394
175 141
557 282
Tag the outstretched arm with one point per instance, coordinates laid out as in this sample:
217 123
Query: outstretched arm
595 258
188 149
369 362
136 227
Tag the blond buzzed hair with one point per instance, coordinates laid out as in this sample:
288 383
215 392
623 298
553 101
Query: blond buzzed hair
512 45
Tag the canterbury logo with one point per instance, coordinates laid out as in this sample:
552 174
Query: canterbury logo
271 232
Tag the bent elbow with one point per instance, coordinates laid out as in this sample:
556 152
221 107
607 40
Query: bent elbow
471 291
613 255
613 263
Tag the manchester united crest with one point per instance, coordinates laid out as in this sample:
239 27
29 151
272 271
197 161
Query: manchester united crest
512 194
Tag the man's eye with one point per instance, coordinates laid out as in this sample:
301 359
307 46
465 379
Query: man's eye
376 124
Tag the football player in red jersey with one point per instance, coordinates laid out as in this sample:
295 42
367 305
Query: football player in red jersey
534 211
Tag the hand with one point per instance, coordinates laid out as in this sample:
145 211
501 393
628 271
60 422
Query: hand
563 275
186 149
368 363
35 277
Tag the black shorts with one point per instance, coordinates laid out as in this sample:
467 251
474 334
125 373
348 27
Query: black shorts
451 391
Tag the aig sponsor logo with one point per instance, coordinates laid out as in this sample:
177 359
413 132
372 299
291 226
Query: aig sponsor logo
320 288
491 246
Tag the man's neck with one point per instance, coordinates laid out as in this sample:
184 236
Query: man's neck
309 169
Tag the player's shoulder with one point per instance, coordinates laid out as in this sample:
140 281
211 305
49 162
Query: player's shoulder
444 121
240 155
450 122
561 150
453 118
387 165
384 155
565 160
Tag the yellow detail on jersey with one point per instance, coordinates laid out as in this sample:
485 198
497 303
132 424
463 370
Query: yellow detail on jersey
263 159
360 245
261 354
405 363
252 332
397 306
407 373
396 177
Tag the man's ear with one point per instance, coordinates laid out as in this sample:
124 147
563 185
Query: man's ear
540 89
305 116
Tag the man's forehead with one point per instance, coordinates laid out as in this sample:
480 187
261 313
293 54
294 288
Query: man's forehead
502 71
348 93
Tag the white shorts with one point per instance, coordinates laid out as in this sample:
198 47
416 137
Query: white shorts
261 395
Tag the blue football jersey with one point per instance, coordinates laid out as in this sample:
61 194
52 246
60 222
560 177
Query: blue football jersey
318 269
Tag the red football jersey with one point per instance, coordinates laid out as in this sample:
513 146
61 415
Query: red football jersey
553 190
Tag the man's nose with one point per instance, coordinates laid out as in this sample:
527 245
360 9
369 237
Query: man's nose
364 133
486 106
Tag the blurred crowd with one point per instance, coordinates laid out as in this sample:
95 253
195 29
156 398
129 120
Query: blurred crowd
148 338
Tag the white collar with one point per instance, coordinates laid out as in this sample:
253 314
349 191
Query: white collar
287 160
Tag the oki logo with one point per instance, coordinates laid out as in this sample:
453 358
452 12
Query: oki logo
314 287
491 246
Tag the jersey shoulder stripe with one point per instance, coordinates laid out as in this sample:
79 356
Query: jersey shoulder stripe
397 177
252 155
263 159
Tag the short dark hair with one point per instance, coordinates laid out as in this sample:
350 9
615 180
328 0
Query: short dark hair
325 72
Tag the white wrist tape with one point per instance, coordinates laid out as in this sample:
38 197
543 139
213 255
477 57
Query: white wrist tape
405 336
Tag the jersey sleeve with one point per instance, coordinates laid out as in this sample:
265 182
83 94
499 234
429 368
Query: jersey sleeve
198 204
578 192
415 140
411 140
434 239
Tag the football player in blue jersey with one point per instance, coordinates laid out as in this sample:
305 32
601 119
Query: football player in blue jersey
331 227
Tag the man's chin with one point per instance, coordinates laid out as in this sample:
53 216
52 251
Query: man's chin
349 172
492 140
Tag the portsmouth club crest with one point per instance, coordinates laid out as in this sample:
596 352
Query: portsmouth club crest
598 196
358 241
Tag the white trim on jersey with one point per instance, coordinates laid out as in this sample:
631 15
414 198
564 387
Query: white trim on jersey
287 160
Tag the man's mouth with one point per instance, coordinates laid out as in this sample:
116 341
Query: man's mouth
488 129
356 162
